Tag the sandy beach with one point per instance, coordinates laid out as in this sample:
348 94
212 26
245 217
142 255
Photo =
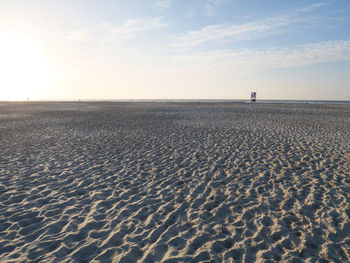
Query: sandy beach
174 182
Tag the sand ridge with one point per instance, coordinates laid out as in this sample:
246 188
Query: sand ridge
174 182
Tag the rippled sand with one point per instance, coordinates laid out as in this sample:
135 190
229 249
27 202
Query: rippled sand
174 182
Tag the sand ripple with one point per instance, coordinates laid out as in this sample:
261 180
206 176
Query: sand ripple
174 182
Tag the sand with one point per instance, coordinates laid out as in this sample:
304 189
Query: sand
174 182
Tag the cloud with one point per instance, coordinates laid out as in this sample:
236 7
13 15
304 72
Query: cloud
242 31
313 6
247 61
108 33
217 32
211 6
163 4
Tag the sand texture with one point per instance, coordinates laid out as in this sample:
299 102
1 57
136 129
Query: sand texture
174 182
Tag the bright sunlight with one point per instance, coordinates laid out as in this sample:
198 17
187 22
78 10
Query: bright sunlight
24 70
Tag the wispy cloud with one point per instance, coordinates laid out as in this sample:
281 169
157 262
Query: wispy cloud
252 60
163 4
243 31
108 33
313 6
211 6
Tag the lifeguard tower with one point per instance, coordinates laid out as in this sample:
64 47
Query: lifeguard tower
253 96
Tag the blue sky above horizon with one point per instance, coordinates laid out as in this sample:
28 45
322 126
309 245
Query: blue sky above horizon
177 49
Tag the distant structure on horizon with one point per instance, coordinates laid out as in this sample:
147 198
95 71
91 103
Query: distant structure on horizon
253 96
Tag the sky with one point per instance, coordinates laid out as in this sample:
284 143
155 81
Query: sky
174 49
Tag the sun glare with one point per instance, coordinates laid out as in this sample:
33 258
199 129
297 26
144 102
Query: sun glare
24 70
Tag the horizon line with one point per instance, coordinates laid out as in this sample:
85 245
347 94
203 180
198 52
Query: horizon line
186 100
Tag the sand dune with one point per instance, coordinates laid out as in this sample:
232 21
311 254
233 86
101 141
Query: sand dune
174 182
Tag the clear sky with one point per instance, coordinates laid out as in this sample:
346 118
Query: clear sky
174 49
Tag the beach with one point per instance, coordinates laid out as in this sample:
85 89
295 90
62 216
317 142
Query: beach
174 182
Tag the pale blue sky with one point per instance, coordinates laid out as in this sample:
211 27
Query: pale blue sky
175 49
